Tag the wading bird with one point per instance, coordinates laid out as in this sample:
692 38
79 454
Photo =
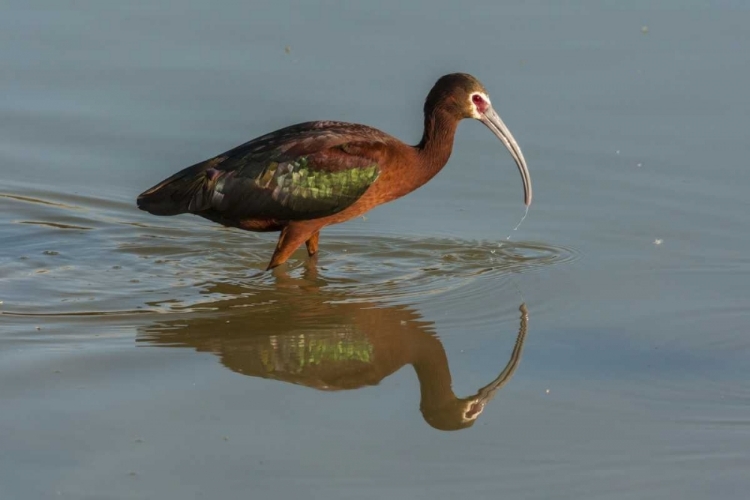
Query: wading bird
302 178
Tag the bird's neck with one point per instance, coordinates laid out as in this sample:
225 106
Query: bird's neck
436 145
431 364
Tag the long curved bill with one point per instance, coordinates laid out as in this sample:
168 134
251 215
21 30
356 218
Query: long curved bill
494 123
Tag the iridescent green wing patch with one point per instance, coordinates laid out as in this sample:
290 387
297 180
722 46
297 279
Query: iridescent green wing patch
303 172
303 189
299 353
297 189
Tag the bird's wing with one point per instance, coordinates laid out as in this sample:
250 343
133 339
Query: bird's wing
304 187
302 172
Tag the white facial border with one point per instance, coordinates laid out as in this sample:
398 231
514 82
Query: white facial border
474 111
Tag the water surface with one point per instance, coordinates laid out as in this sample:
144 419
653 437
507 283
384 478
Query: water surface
599 352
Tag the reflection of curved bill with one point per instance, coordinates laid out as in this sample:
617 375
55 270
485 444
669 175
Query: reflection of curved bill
452 413
297 333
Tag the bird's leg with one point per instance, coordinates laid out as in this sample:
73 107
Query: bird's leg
290 239
312 244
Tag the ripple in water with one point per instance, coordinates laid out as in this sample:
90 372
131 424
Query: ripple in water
84 256
388 268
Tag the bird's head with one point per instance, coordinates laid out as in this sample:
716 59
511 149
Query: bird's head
463 96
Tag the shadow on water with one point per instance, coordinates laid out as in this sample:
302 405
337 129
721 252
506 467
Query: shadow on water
302 333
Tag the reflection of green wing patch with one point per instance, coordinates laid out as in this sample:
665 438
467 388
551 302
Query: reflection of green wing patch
304 189
295 353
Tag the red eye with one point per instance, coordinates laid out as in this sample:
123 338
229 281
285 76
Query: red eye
479 103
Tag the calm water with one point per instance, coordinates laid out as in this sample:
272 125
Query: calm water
601 352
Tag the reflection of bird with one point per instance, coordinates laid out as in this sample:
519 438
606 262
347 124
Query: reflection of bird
296 333
302 178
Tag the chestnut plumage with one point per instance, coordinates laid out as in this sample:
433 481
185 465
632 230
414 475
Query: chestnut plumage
301 178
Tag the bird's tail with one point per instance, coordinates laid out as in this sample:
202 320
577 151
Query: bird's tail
184 192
